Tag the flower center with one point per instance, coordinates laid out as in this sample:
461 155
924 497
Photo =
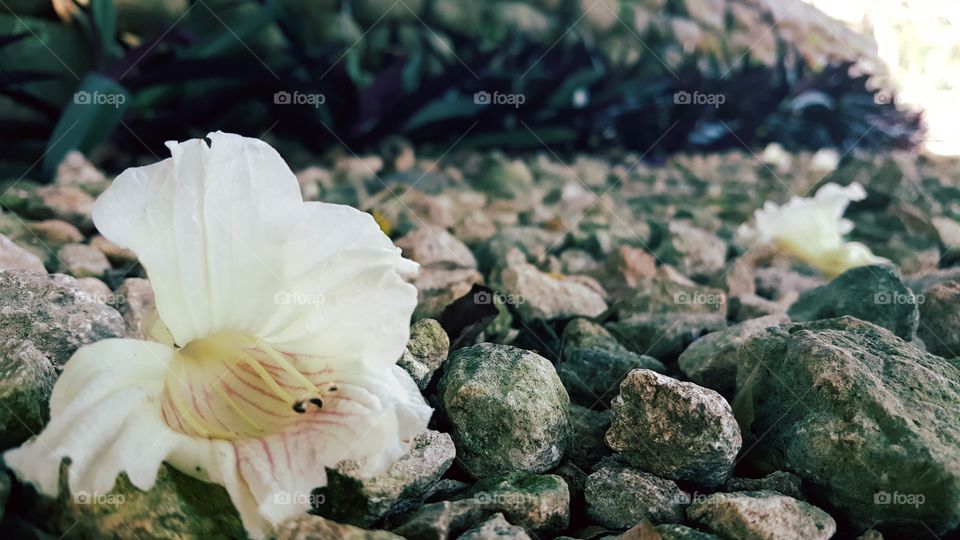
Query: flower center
232 385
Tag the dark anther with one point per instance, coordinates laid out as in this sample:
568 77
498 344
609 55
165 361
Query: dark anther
298 407
333 388
317 401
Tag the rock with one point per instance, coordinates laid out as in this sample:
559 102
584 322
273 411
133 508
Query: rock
620 497
750 306
436 247
55 232
761 515
495 527
940 319
502 177
631 266
177 507
663 295
4 492
429 522
594 363
694 251
43 320
948 230
68 203
437 288
446 488
787 483
14 257
116 254
782 283
428 343
310 527
507 409
76 170
81 260
533 242
712 360
538 503
674 429
872 293
823 391
922 283
544 296
671 531
351 499
97 291
133 299
474 228
417 370
589 428
426 351
664 336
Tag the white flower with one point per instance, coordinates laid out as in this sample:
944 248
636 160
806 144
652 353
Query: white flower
812 229
825 160
775 155
239 383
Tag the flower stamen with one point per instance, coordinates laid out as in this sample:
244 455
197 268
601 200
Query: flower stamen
236 408
196 424
265 376
284 364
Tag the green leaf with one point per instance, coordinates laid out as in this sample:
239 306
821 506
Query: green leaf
443 109
89 118
104 15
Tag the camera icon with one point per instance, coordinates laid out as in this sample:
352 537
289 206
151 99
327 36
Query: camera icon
82 98
81 497
882 497
681 298
681 98
481 98
482 297
282 497
882 97
282 298
882 298
483 497
282 98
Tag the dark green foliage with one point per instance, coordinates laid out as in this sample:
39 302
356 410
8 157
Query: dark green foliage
223 64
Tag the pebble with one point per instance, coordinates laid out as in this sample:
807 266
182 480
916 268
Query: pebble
764 515
507 408
674 429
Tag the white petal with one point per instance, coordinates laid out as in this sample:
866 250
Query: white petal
283 469
812 229
229 245
104 417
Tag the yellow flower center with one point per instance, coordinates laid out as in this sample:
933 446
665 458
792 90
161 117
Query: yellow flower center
232 385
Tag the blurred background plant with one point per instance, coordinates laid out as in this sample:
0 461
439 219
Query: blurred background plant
120 77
